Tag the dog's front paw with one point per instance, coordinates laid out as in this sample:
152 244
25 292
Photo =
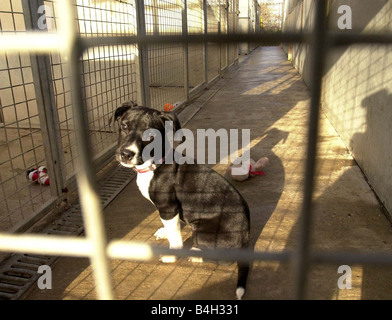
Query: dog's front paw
160 234
168 259
195 259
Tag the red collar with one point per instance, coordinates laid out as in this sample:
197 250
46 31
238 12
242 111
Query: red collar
151 167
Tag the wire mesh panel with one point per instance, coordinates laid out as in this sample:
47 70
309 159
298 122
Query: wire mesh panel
232 51
223 4
195 50
109 78
252 25
165 62
109 75
21 141
213 49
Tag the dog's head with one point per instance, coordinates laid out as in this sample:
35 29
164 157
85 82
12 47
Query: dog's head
138 127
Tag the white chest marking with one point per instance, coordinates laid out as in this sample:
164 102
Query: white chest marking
143 182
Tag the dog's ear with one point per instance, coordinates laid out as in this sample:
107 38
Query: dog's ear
170 116
121 110
130 104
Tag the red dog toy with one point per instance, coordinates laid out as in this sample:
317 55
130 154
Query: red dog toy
254 169
168 107
39 175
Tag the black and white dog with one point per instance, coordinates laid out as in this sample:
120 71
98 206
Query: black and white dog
195 194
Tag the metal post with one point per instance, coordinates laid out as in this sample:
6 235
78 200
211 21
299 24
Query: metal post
227 32
46 104
205 14
235 46
186 57
144 78
88 192
220 44
155 18
302 256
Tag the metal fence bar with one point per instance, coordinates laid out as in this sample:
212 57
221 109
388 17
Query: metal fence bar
302 257
121 249
235 27
45 245
227 32
349 258
88 191
132 250
291 37
144 78
89 197
25 43
185 49
205 15
195 22
220 45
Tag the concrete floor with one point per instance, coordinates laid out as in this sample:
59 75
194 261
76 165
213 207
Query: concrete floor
266 95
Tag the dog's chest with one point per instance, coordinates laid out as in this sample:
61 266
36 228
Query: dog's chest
143 181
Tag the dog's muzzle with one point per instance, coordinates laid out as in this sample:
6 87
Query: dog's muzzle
126 155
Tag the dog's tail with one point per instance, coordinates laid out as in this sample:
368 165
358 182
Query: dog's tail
243 270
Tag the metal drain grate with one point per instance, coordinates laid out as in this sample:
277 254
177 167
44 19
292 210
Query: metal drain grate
19 272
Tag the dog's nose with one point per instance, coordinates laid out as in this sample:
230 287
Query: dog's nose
127 155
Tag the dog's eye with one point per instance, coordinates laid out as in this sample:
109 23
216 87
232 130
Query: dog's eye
124 126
